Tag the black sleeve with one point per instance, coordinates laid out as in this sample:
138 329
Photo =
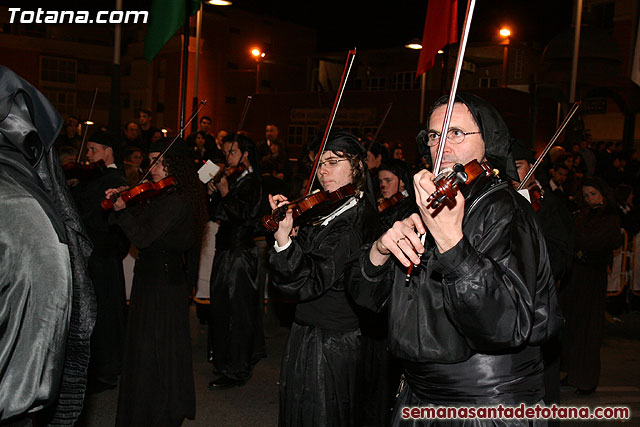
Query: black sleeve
494 291
152 221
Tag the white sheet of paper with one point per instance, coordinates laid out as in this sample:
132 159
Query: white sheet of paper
208 171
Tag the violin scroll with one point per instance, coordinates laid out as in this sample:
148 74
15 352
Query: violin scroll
447 184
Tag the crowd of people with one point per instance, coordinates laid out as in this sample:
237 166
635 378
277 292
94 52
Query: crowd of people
493 295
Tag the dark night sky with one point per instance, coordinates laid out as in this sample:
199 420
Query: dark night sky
366 24
343 24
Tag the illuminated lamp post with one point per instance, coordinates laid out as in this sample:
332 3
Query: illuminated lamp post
258 55
505 33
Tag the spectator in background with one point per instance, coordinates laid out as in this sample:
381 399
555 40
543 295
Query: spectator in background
589 158
203 128
558 177
597 233
131 136
204 148
70 133
397 153
277 154
67 155
219 137
146 130
271 134
133 158
157 135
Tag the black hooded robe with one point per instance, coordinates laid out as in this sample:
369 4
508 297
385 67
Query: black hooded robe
235 328
156 385
107 274
318 379
48 301
468 326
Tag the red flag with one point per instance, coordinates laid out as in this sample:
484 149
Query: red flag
440 29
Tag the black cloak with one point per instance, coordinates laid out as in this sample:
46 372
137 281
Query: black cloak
29 125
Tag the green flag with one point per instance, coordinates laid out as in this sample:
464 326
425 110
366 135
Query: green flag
165 19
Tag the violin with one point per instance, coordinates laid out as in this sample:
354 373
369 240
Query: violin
140 192
307 208
536 195
447 184
230 173
385 204
145 190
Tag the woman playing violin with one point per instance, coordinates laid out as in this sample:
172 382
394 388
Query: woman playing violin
235 330
157 385
318 375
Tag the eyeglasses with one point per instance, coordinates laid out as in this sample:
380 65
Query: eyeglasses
331 163
454 136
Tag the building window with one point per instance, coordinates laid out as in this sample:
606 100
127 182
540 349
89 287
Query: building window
405 80
295 135
518 64
488 82
58 70
311 132
376 83
64 101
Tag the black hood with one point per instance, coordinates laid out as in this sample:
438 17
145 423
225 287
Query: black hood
494 130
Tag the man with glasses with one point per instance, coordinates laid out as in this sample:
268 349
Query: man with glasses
468 323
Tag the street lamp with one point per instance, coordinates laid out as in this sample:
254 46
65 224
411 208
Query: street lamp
505 33
258 55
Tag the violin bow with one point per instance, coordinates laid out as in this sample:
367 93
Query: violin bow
343 82
555 136
86 128
384 118
245 109
454 85
175 138
452 97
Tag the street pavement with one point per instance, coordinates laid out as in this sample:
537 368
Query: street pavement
256 403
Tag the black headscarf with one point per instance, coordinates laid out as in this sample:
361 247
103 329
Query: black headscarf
345 142
29 125
342 141
402 170
494 133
